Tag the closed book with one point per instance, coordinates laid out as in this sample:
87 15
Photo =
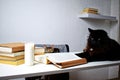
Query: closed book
17 62
64 60
12 47
39 51
12 58
11 54
90 12
90 9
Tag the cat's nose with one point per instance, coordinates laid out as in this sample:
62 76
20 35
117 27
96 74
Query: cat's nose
93 42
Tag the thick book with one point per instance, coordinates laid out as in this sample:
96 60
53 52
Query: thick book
17 62
12 58
64 60
12 54
12 47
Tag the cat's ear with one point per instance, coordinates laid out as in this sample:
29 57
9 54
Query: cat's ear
90 30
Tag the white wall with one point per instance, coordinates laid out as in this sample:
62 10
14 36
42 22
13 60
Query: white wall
49 21
52 22
115 26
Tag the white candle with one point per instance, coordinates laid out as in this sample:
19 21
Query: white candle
29 54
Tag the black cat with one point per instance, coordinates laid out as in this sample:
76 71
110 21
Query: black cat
100 47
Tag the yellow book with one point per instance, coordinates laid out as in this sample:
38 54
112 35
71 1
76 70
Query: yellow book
18 62
12 58
90 9
89 12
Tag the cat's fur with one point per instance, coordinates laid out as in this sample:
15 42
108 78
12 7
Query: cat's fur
51 49
100 47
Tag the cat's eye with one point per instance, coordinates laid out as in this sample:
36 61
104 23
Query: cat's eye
99 39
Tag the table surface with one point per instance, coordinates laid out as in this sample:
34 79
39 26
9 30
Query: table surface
10 71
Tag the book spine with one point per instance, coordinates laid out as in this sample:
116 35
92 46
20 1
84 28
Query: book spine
90 9
17 49
11 54
71 63
12 58
18 62
12 47
89 12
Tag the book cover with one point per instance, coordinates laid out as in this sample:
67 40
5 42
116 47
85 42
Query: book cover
39 51
12 47
89 12
91 9
64 60
17 62
11 54
12 58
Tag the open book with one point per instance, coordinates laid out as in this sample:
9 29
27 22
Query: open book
63 60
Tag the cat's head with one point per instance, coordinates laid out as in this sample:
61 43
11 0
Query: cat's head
97 38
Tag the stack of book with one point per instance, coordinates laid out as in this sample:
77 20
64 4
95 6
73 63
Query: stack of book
12 53
90 10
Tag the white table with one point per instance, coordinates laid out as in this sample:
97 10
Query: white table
9 71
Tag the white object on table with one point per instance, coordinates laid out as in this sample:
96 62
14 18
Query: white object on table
29 54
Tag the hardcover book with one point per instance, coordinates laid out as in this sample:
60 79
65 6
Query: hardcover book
39 51
12 54
12 47
17 62
11 58
64 60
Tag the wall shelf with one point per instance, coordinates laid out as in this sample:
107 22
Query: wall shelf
95 16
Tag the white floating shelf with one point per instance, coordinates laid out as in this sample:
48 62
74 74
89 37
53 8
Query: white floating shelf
97 16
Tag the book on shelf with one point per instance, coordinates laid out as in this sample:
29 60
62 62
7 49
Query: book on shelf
12 47
12 54
11 58
90 10
17 62
64 60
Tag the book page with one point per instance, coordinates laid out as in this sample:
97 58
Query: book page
62 57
